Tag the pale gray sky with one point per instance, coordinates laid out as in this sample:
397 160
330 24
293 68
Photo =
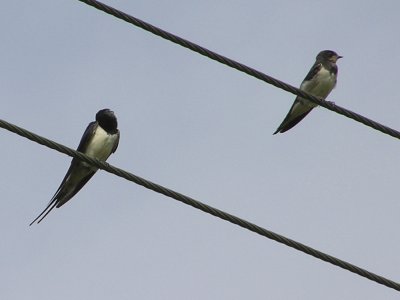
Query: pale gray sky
205 130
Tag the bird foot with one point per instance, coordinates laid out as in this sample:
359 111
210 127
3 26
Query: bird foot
331 102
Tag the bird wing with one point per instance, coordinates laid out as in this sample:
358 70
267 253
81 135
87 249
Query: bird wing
297 112
313 71
116 142
62 195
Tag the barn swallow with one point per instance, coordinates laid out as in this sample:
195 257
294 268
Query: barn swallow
99 140
320 81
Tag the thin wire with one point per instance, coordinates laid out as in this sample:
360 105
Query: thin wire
241 67
199 205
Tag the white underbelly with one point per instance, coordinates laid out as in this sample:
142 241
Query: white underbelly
102 144
321 85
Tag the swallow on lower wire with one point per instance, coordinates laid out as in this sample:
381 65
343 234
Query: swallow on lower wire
99 140
320 81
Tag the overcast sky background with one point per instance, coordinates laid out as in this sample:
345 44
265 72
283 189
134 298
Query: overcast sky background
205 130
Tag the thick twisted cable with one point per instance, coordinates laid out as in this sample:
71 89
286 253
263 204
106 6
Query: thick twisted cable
199 205
241 67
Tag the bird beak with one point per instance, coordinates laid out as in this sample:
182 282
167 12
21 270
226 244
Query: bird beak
339 57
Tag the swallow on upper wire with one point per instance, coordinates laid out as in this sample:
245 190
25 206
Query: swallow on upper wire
320 81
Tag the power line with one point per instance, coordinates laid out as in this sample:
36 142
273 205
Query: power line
199 205
240 67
